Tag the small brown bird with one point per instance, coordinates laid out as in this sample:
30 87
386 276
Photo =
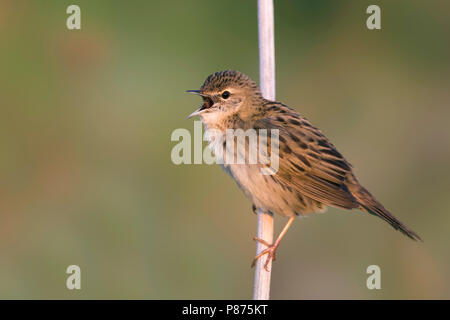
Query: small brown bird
311 175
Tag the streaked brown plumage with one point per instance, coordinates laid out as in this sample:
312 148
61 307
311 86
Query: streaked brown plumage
312 174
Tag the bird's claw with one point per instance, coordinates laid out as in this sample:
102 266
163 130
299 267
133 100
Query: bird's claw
270 251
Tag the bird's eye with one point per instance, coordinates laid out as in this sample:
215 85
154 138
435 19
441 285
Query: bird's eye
225 95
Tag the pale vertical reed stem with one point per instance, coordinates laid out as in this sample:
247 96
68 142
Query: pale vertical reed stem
261 290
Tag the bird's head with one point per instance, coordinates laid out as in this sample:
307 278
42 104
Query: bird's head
225 93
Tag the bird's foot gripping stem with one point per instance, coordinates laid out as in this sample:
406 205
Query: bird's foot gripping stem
271 248
270 251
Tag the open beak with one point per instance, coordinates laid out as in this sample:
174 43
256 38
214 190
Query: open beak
201 109
196 113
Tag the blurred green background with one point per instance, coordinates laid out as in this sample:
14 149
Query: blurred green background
86 176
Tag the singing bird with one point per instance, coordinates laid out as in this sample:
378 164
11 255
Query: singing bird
312 175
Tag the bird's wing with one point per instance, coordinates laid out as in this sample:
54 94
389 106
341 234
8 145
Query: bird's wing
308 161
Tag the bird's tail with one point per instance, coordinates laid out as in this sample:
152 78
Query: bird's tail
369 204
